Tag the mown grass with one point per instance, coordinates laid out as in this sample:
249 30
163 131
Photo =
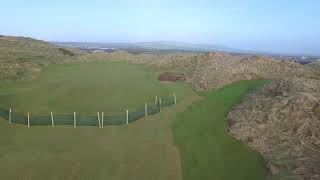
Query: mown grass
85 88
207 151
142 150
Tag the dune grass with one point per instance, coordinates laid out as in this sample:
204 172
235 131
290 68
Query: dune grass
206 150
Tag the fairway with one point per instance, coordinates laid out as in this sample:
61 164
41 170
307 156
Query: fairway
84 88
192 145
207 151
142 150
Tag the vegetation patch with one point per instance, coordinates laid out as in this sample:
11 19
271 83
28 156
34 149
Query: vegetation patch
281 121
172 77
66 52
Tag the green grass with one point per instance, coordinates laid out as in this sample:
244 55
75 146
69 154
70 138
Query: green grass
86 88
143 150
207 151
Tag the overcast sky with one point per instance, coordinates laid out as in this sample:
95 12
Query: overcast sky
279 26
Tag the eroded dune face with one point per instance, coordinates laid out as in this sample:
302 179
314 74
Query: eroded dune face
282 121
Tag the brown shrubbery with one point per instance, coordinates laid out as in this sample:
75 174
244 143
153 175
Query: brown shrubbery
282 121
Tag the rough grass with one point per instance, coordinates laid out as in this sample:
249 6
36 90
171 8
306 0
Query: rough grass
207 151
24 58
143 150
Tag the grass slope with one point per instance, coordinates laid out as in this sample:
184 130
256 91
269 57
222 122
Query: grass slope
143 150
207 151
24 58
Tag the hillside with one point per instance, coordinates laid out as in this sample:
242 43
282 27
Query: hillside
24 58
216 69
282 122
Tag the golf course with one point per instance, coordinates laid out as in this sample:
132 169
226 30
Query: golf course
184 141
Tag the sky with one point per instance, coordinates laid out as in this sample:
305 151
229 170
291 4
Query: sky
275 26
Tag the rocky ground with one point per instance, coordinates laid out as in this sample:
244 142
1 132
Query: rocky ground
282 122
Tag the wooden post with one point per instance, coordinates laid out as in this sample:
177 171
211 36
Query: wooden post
175 98
102 114
10 115
127 116
52 122
99 119
28 120
74 120
160 104
146 110
155 102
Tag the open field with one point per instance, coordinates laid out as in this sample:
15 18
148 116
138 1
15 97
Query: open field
207 151
86 88
141 150
145 149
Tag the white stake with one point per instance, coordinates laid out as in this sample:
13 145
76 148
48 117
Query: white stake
10 116
155 102
127 116
102 119
99 119
175 98
52 122
28 120
160 104
146 110
74 120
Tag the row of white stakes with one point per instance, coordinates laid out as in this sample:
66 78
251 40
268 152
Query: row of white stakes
98 114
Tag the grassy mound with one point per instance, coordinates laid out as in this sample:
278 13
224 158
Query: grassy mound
207 151
24 58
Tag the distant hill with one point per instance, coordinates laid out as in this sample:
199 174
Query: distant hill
22 57
185 46
147 46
